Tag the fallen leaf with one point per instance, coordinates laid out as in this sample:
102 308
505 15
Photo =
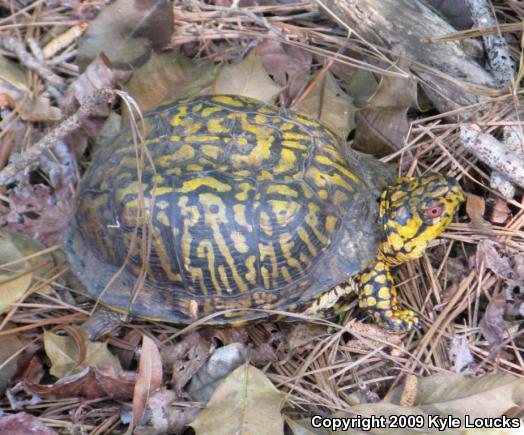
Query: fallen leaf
165 416
23 424
492 324
247 78
149 377
443 395
304 427
331 105
475 209
500 212
10 345
504 261
186 358
92 383
382 125
39 211
65 352
16 278
174 75
127 31
246 402
289 66
459 353
16 93
361 86
221 363
303 334
489 395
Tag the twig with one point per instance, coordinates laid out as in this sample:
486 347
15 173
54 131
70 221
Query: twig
502 68
14 45
493 153
88 105
497 49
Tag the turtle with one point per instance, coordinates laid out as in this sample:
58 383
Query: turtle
232 210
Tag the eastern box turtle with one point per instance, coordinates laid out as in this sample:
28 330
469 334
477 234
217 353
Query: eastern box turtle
234 204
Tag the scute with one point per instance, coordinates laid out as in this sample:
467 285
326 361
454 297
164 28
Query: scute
237 204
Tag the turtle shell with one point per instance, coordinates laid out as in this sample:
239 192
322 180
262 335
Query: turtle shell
226 203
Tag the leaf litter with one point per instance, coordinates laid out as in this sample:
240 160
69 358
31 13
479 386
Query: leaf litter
292 54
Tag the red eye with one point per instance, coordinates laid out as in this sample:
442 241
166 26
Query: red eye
434 212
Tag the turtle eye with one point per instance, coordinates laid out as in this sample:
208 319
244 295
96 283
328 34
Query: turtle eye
434 212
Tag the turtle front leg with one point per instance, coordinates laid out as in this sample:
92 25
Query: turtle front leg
378 295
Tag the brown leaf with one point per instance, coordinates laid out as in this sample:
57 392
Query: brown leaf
246 402
16 279
71 355
174 75
492 324
289 66
500 212
99 74
165 416
186 358
126 31
92 383
300 334
226 335
39 212
247 78
506 262
382 125
23 424
10 345
475 209
15 92
331 105
149 377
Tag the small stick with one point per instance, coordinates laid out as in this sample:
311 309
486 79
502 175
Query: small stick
14 45
493 152
88 105
502 68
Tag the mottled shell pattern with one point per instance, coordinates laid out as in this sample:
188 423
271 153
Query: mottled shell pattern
229 203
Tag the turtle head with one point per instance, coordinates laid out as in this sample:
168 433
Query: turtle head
413 212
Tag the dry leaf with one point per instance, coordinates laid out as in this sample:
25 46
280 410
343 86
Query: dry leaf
186 358
126 31
459 353
245 403
174 75
506 262
149 377
10 345
331 105
492 324
304 427
39 211
15 93
445 395
289 66
65 355
247 78
361 86
500 212
92 383
223 361
24 424
16 279
166 417
382 125
475 208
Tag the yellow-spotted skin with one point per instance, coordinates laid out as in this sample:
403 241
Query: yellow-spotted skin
233 204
